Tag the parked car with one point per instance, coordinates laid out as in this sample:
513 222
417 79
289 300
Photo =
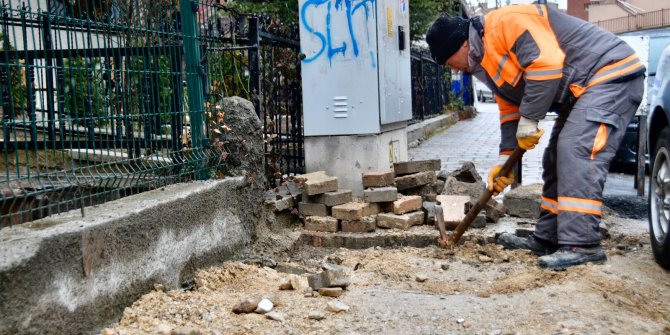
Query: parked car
483 93
658 142
625 159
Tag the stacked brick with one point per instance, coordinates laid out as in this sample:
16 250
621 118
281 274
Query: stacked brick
409 194
320 194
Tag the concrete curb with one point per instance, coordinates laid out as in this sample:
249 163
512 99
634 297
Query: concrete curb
71 275
418 132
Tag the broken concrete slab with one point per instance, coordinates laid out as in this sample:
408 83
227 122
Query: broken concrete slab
467 173
454 208
524 201
455 187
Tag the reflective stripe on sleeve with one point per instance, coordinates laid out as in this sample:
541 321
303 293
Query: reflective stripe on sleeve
544 74
509 117
496 78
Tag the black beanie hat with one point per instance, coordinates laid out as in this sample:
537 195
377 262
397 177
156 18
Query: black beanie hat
445 36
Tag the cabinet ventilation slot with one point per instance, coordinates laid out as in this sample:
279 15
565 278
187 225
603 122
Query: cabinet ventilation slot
340 107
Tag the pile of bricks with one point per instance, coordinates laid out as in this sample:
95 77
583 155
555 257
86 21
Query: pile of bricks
391 199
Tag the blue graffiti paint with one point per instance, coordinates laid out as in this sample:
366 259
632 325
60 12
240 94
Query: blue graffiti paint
373 59
326 41
367 14
303 15
333 51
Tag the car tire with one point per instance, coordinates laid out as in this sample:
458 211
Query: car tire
659 200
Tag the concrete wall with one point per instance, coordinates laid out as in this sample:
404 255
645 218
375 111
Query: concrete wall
347 157
71 275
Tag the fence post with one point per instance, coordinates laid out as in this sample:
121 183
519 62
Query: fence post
196 100
48 68
255 64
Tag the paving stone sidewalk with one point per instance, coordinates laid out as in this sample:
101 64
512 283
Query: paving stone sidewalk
477 140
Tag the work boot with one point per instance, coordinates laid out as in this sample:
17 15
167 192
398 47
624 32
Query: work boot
537 245
569 256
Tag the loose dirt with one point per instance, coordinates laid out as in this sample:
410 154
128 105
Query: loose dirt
477 288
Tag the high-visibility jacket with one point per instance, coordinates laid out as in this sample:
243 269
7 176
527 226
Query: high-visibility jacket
533 57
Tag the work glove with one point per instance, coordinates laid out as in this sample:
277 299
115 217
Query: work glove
497 185
527 134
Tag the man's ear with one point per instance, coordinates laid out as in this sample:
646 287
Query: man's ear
465 44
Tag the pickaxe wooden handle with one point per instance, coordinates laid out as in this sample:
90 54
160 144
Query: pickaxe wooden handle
474 211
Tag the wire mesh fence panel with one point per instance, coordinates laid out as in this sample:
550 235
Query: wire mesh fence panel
90 114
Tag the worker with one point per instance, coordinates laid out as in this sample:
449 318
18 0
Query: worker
535 59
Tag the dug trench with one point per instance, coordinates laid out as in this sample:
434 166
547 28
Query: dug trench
475 288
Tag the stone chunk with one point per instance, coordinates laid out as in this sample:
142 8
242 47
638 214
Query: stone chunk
455 187
330 199
406 204
429 209
321 223
479 221
378 178
333 292
337 306
454 208
317 182
524 201
467 173
494 210
403 168
306 209
380 194
402 222
365 225
315 281
336 276
247 305
415 180
353 211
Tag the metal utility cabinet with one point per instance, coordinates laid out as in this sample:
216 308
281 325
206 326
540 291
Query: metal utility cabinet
356 82
356 66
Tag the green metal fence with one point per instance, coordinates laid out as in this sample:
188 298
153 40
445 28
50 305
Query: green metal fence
105 98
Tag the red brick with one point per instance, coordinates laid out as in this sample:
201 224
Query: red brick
365 225
306 209
378 178
415 180
406 204
403 168
321 223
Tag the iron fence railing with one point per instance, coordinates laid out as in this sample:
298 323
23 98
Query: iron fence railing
429 87
102 99
655 19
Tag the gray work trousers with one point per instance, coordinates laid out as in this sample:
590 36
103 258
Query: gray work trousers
575 164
